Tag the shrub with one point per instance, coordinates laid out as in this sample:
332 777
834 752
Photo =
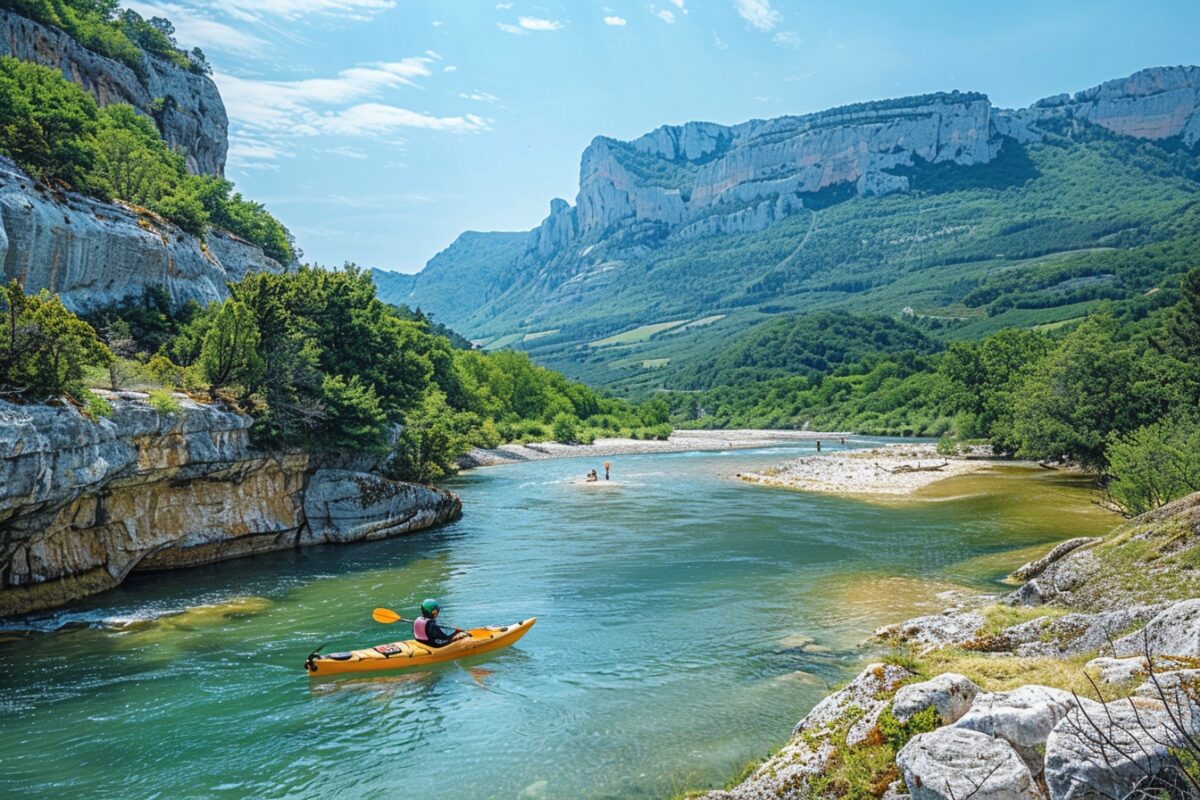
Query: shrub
164 402
1154 464
95 406
44 348
566 429
897 733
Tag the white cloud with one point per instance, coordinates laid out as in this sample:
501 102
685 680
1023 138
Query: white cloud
513 29
437 23
680 5
315 106
666 15
615 22
718 42
368 119
789 39
449 68
758 14
196 29
538 24
483 97
348 152
504 6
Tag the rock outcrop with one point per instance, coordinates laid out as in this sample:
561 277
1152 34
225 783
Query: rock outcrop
191 119
94 253
950 694
83 504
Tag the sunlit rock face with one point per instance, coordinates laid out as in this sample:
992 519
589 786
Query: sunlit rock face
83 503
192 118
94 253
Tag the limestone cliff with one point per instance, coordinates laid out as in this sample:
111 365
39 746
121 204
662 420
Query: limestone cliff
83 504
701 179
192 119
94 253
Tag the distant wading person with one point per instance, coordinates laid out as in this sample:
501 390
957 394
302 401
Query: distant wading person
607 466
428 632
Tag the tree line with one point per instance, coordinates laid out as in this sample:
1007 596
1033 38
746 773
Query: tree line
319 362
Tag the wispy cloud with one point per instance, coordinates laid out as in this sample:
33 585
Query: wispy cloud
680 5
789 39
665 14
516 30
484 97
348 152
758 14
449 68
615 22
504 6
371 119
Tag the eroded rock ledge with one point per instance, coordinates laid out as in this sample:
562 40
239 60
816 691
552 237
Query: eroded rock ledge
83 504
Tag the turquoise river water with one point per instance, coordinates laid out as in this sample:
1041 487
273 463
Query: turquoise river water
686 622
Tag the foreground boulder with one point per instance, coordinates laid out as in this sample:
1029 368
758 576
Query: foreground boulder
955 763
1023 717
83 504
1130 746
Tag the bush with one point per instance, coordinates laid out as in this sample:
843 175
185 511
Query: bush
164 402
95 406
44 348
897 733
47 123
1155 464
566 429
947 446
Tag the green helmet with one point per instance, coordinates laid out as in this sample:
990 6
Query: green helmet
429 606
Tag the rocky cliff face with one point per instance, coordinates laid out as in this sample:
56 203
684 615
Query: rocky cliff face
83 504
192 120
93 253
702 179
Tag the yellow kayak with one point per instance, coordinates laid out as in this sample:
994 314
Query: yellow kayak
411 653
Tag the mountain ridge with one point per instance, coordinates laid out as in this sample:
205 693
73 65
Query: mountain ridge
703 181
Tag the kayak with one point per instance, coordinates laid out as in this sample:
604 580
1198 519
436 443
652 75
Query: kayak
411 653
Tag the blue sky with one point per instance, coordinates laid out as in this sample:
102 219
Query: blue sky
378 130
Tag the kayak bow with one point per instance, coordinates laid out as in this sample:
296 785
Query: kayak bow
411 653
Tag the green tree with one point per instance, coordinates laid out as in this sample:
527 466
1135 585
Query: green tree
229 352
1154 464
354 416
1080 394
44 347
47 124
431 441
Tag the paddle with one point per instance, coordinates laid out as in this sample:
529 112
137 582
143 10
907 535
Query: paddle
387 617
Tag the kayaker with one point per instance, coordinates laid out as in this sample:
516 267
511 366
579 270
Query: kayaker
428 632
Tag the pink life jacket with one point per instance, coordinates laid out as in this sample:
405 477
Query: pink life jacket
419 629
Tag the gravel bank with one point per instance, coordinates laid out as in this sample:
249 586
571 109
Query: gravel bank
892 470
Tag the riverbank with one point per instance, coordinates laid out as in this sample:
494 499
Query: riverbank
1081 683
894 470
679 441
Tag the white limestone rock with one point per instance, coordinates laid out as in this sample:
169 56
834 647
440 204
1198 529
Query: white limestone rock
952 763
1023 717
950 694
1174 632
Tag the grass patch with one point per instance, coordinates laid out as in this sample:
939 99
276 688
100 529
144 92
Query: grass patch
504 341
532 337
639 334
999 673
999 617
655 363
164 402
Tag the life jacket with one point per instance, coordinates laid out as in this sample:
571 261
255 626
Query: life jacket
419 629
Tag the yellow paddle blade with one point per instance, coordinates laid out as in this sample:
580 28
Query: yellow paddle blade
385 615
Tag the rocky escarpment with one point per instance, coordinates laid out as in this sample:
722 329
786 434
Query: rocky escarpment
683 182
83 504
94 253
1081 685
190 116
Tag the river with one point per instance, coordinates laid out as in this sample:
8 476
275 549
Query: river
686 622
